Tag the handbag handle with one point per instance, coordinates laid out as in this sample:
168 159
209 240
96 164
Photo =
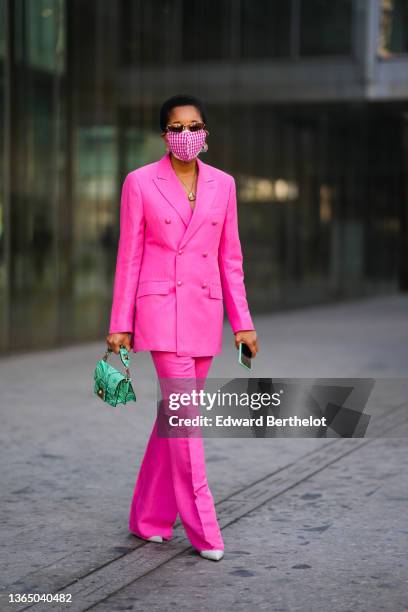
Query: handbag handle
124 356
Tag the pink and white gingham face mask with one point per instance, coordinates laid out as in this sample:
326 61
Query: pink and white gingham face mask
186 145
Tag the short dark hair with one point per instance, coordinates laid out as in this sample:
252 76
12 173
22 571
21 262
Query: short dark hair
180 100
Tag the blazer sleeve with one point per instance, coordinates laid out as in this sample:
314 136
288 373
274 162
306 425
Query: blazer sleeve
230 262
129 257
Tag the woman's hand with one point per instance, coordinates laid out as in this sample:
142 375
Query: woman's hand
115 340
249 337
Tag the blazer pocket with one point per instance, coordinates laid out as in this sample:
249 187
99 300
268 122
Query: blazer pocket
216 291
155 287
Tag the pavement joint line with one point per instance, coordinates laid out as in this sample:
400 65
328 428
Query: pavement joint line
315 454
86 584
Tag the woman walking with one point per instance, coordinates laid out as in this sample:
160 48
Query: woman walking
179 261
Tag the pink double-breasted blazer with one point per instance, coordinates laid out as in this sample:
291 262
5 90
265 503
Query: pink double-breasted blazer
176 269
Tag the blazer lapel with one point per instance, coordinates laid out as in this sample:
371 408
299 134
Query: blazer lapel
170 187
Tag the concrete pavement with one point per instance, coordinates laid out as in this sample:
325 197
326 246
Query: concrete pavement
330 527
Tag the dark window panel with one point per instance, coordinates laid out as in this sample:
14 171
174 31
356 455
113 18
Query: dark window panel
393 37
148 31
325 27
265 29
206 30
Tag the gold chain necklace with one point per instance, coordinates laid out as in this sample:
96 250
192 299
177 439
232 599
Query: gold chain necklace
190 193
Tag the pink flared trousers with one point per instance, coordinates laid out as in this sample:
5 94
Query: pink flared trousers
172 478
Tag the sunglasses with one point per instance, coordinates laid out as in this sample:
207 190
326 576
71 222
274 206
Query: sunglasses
194 126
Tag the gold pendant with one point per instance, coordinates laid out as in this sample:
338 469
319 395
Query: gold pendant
191 196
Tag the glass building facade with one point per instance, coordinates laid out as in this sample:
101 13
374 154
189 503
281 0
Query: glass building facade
321 168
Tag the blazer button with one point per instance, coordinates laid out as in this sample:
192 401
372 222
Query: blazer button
214 222
168 220
179 283
204 285
205 254
180 251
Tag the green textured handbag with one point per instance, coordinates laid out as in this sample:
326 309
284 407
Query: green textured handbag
112 386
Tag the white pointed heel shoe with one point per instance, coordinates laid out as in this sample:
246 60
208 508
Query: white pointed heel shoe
213 555
155 539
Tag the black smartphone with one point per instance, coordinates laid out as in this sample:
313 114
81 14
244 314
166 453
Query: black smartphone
245 356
